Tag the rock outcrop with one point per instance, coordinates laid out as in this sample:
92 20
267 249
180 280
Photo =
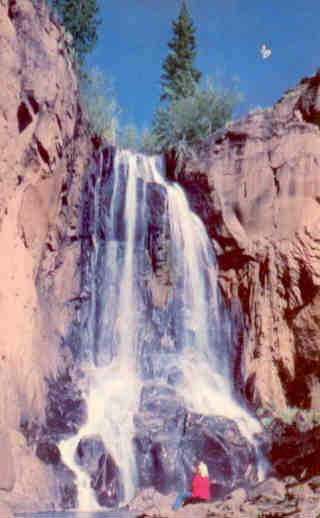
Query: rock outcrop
271 498
44 152
257 187
170 441
292 450
104 474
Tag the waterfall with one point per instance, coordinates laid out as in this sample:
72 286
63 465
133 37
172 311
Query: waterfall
127 343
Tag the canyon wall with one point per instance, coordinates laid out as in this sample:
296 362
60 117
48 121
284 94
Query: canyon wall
257 187
44 152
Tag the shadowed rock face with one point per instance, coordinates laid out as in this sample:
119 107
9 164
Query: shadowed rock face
257 187
170 441
292 449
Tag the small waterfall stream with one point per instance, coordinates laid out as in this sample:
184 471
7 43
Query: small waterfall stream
129 342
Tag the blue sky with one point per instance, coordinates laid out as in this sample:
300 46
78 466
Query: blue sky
134 35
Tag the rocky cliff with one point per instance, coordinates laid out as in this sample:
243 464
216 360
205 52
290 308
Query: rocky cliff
44 154
257 187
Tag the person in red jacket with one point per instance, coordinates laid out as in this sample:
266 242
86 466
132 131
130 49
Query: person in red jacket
200 488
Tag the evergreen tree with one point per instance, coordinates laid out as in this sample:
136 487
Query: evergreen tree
80 18
180 77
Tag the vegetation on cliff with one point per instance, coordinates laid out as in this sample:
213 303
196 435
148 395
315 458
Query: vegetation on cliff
191 113
188 113
187 121
81 19
101 106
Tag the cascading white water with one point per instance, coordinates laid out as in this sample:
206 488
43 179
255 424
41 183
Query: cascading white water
114 371
114 387
205 386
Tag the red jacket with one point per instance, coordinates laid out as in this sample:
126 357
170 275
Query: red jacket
200 487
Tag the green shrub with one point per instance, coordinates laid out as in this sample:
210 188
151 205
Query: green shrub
100 105
186 122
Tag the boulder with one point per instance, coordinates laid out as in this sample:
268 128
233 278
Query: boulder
238 496
230 458
152 504
270 490
48 452
300 492
233 502
89 452
265 500
94 458
149 502
170 441
159 428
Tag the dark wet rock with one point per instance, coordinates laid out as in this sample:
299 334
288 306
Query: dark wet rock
170 441
66 410
107 483
48 452
158 225
230 458
158 245
292 452
160 400
89 452
94 458
219 491
159 426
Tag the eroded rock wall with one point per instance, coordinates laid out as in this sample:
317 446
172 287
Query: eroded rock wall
44 153
257 187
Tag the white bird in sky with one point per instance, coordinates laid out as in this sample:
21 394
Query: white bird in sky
265 52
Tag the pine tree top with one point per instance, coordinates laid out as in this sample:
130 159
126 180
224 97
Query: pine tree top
179 76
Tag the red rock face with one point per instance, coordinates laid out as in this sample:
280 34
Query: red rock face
43 155
257 187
